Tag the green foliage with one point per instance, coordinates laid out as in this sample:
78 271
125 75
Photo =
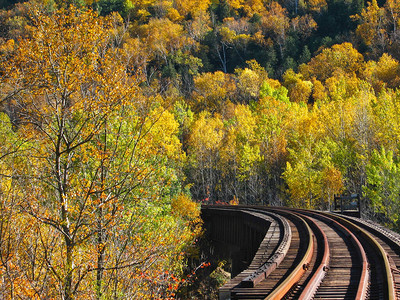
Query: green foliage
280 93
305 55
383 186
105 7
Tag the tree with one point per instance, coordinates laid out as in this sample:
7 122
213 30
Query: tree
13 227
273 113
204 143
186 7
240 156
249 81
385 115
332 184
212 90
276 23
383 186
299 89
307 157
382 73
341 58
372 30
100 173
304 25
163 37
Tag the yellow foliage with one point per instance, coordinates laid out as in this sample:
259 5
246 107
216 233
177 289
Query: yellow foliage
212 89
245 123
206 134
305 25
200 25
319 92
192 7
317 5
299 90
161 138
341 58
249 83
185 208
275 21
387 119
228 35
340 86
234 201
332 181
371 29
174 15
383 73
97 156
235 4
7 47
252 7
162 36
299 184
310 126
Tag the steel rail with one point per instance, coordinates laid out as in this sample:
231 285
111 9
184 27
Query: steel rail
359 237
364 278
285 286
323 266
391 292
316 279
389 239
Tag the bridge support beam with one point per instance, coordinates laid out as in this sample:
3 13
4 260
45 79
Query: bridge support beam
235 235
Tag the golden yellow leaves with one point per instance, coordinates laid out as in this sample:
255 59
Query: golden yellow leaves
332 182
275 21
7 47
371 30
212 89
249 82
200 25
100 164
382 73
174 10
299 89
161 138
61 63
162 37
206 134
249 7
186 7
341 58
185 208
317 5
305 25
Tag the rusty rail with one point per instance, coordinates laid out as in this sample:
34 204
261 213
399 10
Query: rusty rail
308 285
294 277
323 267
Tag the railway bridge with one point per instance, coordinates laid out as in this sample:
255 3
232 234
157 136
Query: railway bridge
282 253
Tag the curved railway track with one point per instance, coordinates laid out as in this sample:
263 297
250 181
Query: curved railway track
316 255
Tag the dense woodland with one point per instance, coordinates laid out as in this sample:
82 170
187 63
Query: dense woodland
118 117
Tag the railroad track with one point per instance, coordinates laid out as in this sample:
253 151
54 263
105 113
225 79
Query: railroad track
317 255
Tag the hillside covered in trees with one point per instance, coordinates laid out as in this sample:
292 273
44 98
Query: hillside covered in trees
118 117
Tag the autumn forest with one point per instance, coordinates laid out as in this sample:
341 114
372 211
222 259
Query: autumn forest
119 117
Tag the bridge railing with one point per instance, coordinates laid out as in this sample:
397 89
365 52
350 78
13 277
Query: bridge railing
347 205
